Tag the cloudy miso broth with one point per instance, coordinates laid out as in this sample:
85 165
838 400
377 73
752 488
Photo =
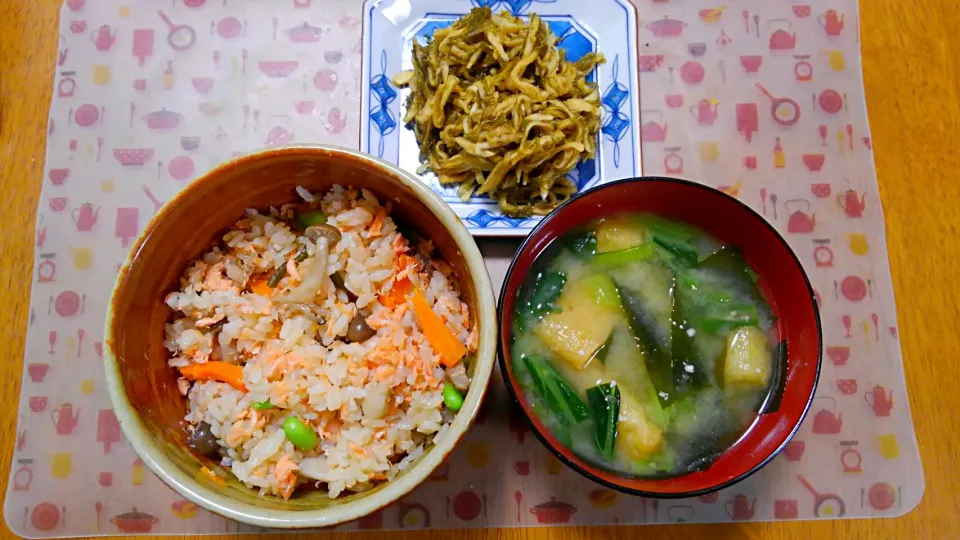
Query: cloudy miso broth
644 345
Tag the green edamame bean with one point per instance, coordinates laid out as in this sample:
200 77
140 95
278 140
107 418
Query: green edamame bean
452 397
300 434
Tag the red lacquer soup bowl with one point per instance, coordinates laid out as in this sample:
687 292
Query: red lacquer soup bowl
781 279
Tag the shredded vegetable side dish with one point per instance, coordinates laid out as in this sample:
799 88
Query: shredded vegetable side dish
497 109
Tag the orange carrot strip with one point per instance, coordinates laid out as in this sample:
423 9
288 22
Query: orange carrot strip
440 337
404 261
377 225
216 371
398 294
260 287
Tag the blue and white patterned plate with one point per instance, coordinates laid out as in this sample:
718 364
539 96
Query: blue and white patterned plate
607 26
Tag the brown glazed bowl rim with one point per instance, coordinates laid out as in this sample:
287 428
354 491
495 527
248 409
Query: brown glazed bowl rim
153 456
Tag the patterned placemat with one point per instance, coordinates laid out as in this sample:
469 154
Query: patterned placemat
147 95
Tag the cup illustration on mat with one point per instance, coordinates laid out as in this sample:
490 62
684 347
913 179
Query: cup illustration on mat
847 387
58 176
61 465
138 474
836 60
858 244
709 152
887 444
794 450
82 257
751 63
105 479
58 204
38 371
101 75
38 403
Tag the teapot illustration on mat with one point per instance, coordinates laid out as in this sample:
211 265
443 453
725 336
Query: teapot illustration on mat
652 131
880 400
85 217
853 203
832 22
740 508
781 38
65 419
705 111
103 38
280 133
828 421
800 220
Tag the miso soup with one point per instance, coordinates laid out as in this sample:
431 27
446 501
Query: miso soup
645 345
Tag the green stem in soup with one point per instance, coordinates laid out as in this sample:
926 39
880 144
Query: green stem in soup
685 251
626 256
666 228
724 318
604 401
538 299
548 289
680 268
602 288
583 244
562 401
729 265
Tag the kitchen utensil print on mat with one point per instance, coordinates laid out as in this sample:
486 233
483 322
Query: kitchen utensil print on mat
143 44
827 421
784 111
65 419
180 37
127 225
741 508
104 38
832 22
880 400
824 504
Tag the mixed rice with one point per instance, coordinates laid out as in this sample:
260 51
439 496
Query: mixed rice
278 323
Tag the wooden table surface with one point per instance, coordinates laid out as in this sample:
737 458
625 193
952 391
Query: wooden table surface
911 69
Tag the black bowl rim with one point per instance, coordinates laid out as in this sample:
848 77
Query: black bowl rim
501 358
